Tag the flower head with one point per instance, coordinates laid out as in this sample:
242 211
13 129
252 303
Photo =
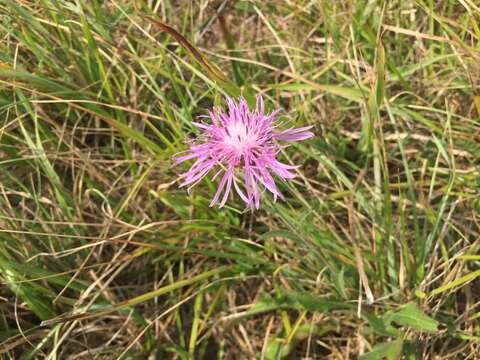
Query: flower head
242 144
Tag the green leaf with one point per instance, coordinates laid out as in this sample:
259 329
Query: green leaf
390 350
380 86
466 278
265 304
345 92
307 301
414 317
381 326
276 349
280 233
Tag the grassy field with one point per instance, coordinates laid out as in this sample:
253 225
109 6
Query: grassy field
374 253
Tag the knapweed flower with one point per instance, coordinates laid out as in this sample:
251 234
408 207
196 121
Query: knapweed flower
242 144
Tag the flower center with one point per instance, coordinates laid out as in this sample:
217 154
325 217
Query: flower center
238 138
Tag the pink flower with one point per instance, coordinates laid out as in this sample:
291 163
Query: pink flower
240 143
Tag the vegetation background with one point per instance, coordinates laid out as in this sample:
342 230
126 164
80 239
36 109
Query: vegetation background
373 254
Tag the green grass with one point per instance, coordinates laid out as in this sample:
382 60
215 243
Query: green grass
374 252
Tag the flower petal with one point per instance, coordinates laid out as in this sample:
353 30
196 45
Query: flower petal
282 170
192 177
240 192
227 189
267 180
177 158
220 188
295 134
